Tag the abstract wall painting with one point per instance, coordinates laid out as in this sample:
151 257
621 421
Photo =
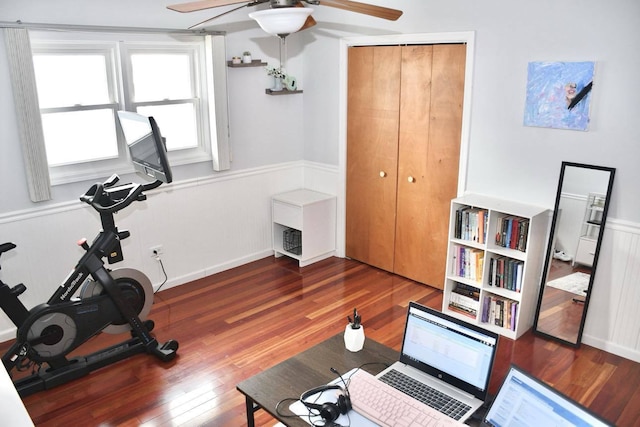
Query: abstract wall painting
559 94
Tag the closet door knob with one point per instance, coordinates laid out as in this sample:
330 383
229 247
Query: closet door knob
411 179
383 174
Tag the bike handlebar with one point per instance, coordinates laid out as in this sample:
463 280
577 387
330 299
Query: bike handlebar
107 198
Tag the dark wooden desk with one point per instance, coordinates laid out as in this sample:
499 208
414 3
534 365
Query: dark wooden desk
307 370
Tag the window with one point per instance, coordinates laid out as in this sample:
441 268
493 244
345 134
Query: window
77 95
164 83
82 79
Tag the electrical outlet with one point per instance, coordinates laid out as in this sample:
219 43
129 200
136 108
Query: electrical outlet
155 251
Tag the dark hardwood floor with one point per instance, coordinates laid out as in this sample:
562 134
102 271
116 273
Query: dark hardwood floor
236 323
560 315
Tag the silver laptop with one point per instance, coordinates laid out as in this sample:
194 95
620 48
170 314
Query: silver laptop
444 354
526 401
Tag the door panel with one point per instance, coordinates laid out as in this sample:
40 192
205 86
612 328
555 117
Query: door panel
413 197
443 162
429 149
372 135
404 122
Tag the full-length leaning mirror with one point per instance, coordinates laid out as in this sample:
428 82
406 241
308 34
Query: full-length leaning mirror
575 237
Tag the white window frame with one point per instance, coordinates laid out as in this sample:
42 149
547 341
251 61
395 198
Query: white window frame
196 52
209 60
62 174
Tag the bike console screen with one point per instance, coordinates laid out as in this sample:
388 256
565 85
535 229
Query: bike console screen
146 145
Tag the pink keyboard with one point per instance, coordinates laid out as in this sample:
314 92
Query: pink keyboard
383 404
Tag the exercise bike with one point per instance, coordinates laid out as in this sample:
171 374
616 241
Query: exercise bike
111 301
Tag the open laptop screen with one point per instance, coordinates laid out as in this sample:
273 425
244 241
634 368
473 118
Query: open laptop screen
526 401
450 349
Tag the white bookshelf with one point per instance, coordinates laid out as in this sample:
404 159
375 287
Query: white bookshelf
519 284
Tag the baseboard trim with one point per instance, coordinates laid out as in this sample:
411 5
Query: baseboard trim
208 271
609 347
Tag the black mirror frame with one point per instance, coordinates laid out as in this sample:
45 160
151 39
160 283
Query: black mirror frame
548 257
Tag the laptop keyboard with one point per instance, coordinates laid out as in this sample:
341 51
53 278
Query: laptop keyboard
425 394
388 407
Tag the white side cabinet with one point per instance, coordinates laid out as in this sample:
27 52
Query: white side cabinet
304 225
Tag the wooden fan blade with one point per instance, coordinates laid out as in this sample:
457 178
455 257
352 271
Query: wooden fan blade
202 5
310 22
217 16
365 8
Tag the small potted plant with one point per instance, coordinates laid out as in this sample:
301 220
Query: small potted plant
246 57
354 333
278 74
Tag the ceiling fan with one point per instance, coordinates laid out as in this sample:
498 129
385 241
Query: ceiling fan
282 5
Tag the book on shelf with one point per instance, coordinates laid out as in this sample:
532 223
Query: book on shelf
499 311
462 310
505 272
512 232
467 262
465 299
467 290
471 224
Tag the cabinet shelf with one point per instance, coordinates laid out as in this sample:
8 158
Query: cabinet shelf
253 63
496 247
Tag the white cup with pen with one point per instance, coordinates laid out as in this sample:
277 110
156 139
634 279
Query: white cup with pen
354 333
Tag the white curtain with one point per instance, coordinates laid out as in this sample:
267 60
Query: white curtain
25 97
218 101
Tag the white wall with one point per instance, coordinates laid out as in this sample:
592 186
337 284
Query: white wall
506 159
505 156
204 225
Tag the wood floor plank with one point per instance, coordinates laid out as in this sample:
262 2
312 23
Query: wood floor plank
236 323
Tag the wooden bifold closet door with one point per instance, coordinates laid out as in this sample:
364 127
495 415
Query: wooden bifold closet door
404 116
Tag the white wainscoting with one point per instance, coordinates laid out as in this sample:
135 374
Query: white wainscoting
205 226
216 223
613 319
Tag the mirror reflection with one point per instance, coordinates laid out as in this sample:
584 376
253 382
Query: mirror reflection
578 223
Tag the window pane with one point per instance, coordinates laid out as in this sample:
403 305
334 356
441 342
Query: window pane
71 79
158 77
177 124
79 136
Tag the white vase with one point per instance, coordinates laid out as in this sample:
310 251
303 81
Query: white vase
354 338
277 84
246 59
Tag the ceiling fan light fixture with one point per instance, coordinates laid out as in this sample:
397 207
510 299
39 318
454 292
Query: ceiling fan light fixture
282 20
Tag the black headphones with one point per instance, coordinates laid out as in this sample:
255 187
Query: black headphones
328 411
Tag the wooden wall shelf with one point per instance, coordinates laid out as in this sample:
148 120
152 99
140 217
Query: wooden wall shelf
281 92
254 63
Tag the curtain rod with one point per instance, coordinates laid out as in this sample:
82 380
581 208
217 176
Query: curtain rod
98 28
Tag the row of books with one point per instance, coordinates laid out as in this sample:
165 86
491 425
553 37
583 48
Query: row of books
465 299
512 232
506 273
499 311
471 224
467 262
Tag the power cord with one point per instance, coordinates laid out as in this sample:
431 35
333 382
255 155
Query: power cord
311 414
157 256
